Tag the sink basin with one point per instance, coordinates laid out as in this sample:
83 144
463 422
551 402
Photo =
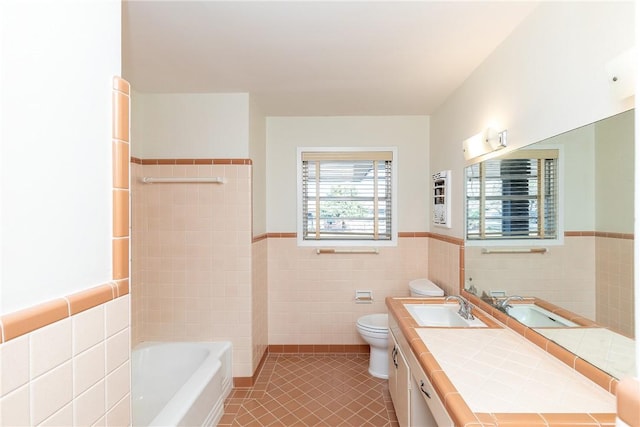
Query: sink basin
440 315
537 317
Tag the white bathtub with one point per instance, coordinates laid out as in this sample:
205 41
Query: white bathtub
180 383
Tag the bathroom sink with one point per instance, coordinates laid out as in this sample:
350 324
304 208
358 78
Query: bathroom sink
440 315
537 317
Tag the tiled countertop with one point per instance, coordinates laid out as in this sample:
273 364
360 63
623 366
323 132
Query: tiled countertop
613 352
502 378
496 370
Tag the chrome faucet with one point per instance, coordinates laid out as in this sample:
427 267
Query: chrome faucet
465 306
504 304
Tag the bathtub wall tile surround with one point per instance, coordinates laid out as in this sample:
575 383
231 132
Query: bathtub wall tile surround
193 256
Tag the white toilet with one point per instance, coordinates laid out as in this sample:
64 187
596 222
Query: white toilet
374 328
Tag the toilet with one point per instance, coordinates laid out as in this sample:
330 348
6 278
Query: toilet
374 328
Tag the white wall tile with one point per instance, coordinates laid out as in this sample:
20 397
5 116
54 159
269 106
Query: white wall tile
14 408
14 364
88 369
50 392
88 329
89 406
50 347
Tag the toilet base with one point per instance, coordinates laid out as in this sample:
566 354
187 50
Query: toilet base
378 363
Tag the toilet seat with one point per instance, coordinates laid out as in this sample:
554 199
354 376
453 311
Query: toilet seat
374 323
425 287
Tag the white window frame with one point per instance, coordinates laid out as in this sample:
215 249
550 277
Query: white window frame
559 240
346 242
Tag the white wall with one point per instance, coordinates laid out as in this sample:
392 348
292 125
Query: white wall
578 174
58 60
546 78
190 125
614 163
409 133
258 153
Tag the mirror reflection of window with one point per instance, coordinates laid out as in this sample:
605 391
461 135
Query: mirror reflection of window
513 197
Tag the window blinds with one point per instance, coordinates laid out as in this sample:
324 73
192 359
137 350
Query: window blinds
513 197
346 195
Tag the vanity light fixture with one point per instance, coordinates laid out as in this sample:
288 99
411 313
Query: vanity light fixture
483 143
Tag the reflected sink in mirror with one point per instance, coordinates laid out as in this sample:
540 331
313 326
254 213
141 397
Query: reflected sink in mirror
441 315
535 316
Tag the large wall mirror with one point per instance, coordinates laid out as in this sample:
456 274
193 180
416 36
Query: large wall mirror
589 270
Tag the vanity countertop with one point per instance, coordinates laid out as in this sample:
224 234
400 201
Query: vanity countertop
501 377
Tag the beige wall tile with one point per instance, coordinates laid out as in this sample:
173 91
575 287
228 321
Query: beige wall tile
64 417
194 262
117 315
90 405
88 368
88 329
14 408
119 414
118 349
117 385
50 347
311 297
14 364
64 357
544 276
51 391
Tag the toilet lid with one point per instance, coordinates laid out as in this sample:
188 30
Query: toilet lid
374 322
425 287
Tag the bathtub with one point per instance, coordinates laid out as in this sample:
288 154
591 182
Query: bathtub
180 383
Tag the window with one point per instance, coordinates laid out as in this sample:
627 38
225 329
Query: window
513 197
346 196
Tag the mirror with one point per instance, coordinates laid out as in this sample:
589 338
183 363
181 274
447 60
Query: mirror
589 271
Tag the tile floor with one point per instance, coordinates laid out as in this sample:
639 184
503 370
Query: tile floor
312 390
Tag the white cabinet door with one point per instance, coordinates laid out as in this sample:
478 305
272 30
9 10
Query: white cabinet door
399 382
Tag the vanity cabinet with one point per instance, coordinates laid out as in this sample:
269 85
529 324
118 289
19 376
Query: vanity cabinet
415 400
399 382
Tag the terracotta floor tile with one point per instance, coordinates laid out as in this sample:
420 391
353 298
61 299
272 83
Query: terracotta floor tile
312 390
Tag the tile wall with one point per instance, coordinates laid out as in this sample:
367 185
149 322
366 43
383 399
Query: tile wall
73 372
311 297
445 261
591 275
522 274
193 256
259 292
614 282
65 362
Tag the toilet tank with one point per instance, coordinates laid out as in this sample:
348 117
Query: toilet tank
424 288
